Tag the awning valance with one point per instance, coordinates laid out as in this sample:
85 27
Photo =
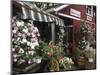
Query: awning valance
32 12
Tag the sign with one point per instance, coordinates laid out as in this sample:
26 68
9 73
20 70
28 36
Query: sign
89 18
75 13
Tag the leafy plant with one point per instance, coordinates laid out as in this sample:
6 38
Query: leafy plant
77 53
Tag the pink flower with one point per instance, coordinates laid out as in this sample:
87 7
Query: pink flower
14 31
33 40
13 49
33 35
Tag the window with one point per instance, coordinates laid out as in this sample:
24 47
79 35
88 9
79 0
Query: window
89 10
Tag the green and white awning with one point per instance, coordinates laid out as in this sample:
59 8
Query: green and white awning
32 12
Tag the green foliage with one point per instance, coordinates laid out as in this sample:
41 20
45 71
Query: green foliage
42 49
83 43
77 53
46 51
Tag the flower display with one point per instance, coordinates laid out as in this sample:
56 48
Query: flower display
83 43
90 53
86 28
61 34
24 41
66 62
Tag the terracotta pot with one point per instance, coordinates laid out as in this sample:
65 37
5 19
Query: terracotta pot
82 62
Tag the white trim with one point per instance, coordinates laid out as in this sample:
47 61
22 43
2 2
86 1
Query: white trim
56 8
65 15
60 7
90 22
87 13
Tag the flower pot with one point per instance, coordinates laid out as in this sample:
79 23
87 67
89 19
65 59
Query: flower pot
82 62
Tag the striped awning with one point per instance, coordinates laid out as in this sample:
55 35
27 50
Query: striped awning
32 12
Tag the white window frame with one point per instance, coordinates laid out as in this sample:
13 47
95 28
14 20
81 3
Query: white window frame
91 11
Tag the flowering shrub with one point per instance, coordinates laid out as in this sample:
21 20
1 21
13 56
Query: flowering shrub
85 28
24 41
61 34
83 43
90 53
66 63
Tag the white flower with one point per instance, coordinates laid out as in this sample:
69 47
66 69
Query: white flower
29 24
38 34
24 40
38 60
70 60
82 28
25 30
14 55
32 45
19 34
36 43
67 59
20 23
90 60
21 50
31 52
29 61
15 59
28 34
13 49
28 43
